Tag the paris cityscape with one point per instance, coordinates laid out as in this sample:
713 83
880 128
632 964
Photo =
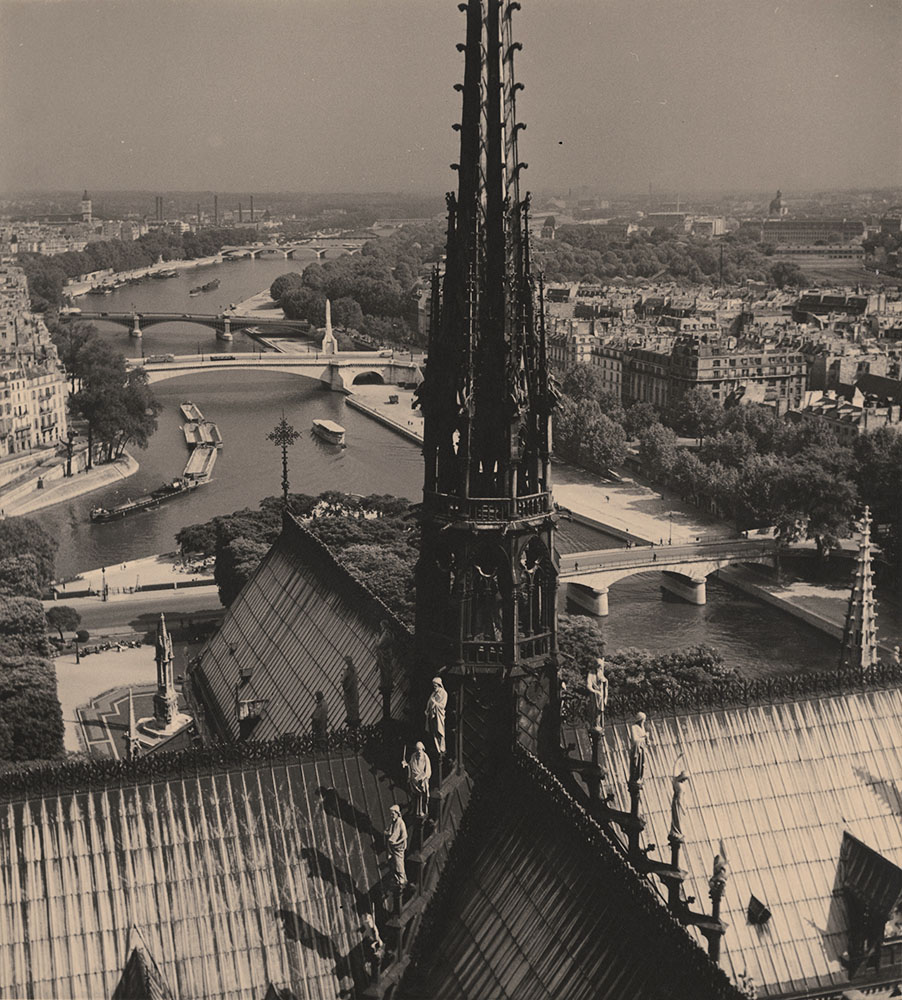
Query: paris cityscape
440 557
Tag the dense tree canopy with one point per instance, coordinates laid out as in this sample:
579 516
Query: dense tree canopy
23 536
589 253
115 401
371 291
371 536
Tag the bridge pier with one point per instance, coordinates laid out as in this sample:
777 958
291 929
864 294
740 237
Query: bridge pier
691 589
591 599
136 326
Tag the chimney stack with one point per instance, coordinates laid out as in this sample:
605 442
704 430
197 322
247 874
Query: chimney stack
240 213
215 210
252 208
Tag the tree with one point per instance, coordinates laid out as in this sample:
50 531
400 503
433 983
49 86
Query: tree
20 577
658 447
22 536
116 402
785 272
603 445
346 312
23 627
695 413
638 418
199 539
32 727
285 283
63 618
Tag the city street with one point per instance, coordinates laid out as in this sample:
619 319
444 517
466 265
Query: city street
138 612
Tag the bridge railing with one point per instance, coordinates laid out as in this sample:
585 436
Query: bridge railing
659 555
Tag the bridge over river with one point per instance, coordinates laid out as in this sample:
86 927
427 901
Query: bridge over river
684 568
136 321
336 371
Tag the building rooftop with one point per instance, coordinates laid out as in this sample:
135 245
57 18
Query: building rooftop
287 635
224 872
783 787
536 904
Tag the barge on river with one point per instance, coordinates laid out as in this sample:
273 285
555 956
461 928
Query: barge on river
167 491
330 432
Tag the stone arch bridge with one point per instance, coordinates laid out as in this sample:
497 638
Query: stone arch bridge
136 322
335 371
684 568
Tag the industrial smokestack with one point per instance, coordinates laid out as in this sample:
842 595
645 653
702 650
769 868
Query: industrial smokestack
215 210
198 213
252 208
240 212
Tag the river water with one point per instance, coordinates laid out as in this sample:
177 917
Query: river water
754 637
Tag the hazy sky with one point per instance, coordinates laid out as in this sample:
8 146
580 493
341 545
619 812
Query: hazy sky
356 95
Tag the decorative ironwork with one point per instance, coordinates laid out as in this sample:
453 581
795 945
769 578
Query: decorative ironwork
284 435
738 693
81 775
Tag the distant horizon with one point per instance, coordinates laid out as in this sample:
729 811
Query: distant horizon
691 96
687 194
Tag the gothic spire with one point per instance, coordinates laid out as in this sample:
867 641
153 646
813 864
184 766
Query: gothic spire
487 572
486 396
859 642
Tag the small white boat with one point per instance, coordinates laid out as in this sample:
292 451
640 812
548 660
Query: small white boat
329 431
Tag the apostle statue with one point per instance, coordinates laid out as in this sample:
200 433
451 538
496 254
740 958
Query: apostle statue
638 741
597 684
419 771
435 714
319 721
678 779
351 692
396 842
385 657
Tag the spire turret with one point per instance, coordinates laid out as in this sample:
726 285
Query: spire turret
165 701
487 578
859 641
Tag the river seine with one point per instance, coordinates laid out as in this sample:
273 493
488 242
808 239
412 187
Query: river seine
754 637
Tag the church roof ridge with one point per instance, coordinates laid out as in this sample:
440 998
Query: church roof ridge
739 693
630 879
314 546
88 775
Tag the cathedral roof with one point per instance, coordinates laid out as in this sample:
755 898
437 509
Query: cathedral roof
287 635
204 875
535 903
784 787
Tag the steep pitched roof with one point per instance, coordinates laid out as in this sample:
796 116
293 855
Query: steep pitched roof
289 631
535 903
141 978
781 785
236 872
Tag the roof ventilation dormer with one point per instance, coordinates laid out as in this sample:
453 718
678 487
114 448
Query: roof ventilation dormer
757 912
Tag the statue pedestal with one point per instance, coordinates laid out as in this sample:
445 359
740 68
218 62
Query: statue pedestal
149 731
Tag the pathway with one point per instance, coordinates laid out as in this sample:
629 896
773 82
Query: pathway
66 489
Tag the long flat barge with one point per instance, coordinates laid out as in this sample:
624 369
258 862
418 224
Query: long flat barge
168 491
200 464
191 412
204 434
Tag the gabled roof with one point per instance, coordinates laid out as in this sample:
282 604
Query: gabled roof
535 903
236 869
141 978
289 632
781 785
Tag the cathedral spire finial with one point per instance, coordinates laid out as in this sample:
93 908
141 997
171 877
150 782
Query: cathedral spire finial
859 642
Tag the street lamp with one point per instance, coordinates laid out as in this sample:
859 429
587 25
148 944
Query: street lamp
70 437
670 534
